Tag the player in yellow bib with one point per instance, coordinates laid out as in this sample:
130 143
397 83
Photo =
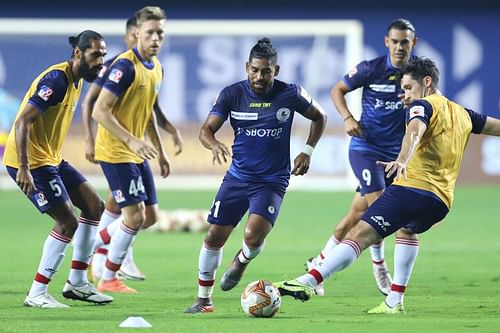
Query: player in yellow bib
33 160
124 111
426 169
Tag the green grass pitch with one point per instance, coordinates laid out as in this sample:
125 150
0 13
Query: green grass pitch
455 286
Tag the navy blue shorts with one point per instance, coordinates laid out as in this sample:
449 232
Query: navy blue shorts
402 207
235 197
370 175
130 183
52 184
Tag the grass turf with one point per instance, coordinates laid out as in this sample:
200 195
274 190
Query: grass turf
455 286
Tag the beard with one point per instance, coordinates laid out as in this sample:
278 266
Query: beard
86 72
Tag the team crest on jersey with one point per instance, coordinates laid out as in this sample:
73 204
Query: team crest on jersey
102 71
283 114
115 75
353 72
40 199
417 111
118 195
271 209
45 92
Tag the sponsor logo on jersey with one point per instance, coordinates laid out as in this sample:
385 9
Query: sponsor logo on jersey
260 132
118 195
115 75
387 88
352 72
259 105
244 115
417 111
388 105
283 114
40 199
382 223
45 92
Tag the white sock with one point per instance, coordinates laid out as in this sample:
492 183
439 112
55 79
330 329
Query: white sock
405 255
129 258
377 252
83 246
52 256
107 218
248 253
329 246
118 248
105 234
339 258
208 262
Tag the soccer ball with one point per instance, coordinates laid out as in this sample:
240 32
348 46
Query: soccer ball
261 299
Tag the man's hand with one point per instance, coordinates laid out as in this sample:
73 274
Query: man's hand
394 167
178 142
164 166
142 149
25 180
301 164
352 127
220 153
90 151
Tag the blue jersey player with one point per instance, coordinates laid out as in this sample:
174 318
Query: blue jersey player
376 135
261 111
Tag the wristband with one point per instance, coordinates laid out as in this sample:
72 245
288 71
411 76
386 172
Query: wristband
308 150
348 117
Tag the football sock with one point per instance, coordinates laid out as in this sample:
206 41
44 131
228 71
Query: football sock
104 235
209 260
118 248
339 258
248 253
52 257
329 246
405 255
377 252
83 246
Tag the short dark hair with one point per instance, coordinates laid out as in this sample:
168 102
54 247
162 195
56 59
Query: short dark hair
401 24
131 23
83 40
264 50
420 67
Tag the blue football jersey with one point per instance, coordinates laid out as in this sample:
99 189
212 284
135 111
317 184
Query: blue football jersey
383 118
262 127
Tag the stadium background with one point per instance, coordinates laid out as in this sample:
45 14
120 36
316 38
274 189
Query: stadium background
460 35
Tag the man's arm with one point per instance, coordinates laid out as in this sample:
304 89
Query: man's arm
102 114
154 136
414 132
22 131
207 137
492 127
338 93
318 123
164 123
87 106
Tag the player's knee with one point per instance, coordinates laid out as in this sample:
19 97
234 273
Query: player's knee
67 225
152 216
406 233
254 239
93 208
214 239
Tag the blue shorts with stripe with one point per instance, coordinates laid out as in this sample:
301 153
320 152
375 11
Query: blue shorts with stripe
130 183
52 184
400 207
371 176
236 196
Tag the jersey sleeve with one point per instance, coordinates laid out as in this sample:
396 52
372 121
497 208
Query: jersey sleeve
304 100
478 121
420 109
119 77
101 77
357 76
222 105
50 90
